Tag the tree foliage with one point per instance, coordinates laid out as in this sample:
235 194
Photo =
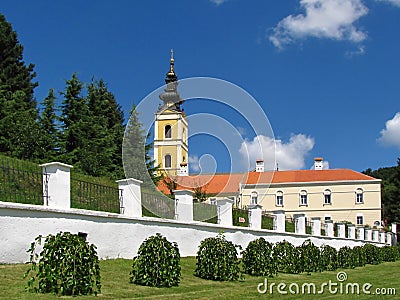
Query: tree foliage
390 191
18 114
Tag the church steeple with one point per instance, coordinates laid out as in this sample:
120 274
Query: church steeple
171 97
171 76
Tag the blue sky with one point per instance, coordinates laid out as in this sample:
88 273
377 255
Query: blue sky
326 73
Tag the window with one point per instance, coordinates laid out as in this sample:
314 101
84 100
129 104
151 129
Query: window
328 218
254 198
327 197
184 135
279 198
167 131
303 198
359 196
360 220
167 161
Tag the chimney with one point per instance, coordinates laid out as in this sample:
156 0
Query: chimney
259 165
318 163
183 170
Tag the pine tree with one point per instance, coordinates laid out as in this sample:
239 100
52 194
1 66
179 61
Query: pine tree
136 153
74 120
49 130
18 114
106 112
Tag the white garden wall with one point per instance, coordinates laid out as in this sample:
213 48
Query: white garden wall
120 235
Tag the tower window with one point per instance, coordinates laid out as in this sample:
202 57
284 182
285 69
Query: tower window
167 131
167 161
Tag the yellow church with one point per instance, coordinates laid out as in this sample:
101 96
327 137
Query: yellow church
171 129
334 194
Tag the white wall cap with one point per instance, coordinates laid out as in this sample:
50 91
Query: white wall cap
55 163
183 192
129 180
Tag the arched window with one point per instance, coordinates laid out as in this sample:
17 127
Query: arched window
359 195
303 198
167 161
279 198
167 131
254 198
327 197
184 135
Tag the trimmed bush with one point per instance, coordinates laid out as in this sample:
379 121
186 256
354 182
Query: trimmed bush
359 253
67 265
390 253
329 258
287 258
217 259
347 258
310 257
258 260
157 263
373 254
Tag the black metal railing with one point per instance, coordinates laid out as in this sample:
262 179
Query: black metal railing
205 212
157 205
21 183
93 196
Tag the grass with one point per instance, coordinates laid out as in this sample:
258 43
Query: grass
115 283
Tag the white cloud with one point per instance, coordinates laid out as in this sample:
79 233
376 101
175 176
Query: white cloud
332 19
393 2
218 2
390 136
358 52
194 163
289 156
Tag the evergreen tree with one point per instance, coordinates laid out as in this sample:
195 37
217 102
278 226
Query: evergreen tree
107 113
136 153
18 114
49 130
74 120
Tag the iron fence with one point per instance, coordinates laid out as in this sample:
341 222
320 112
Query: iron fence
158 205
205 212
93 196
22 183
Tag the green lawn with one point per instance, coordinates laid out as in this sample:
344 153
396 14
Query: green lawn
115 282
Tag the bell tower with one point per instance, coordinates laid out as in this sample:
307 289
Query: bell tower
170 127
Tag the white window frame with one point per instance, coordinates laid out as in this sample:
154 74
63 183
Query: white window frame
362 220
327 195
359 196
279 199
303 196
254 197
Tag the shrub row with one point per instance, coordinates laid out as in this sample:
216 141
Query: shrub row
68 265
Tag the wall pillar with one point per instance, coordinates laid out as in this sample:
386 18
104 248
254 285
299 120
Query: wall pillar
56 185
394 231
390 238
329 228
375 235
130 197
279 220
351 231
360 233
382 237
300 223
368 234
341 230
224 210
183 205
255 215
316 226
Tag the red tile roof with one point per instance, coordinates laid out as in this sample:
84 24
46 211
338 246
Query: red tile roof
229 183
